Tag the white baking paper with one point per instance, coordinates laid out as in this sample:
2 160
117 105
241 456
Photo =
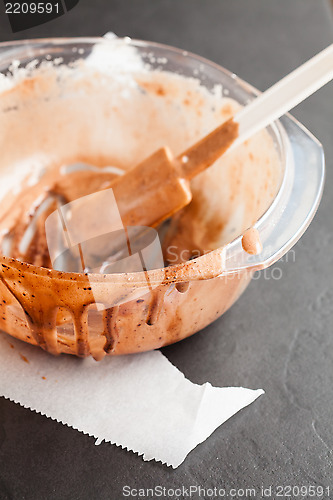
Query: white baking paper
140 402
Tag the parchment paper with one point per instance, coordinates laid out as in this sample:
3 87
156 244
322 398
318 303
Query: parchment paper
140 402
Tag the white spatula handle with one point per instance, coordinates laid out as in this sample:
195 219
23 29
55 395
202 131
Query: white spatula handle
285 95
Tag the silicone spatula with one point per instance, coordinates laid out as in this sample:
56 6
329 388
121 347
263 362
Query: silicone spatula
159 186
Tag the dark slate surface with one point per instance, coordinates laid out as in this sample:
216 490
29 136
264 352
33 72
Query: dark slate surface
278 336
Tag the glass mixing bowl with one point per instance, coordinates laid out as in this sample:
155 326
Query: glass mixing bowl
96 314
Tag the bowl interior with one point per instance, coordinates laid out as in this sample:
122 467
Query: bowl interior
115 103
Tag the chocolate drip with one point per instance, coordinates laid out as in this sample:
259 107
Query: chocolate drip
182 287
155 305
81 331
42 323
45 329
110 328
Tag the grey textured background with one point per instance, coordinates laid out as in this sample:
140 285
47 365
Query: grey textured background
278 336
